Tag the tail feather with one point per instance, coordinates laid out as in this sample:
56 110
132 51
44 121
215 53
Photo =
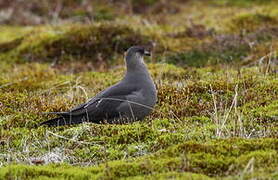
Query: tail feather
61 121
57 113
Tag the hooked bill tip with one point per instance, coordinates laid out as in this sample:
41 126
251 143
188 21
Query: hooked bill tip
147 53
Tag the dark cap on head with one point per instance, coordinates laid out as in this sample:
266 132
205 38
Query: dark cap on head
138 49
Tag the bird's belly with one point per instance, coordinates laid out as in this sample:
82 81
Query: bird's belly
134 112
138 108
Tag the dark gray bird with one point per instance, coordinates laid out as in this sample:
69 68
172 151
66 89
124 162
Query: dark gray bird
131 99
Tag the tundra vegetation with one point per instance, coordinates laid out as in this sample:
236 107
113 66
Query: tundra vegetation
214 63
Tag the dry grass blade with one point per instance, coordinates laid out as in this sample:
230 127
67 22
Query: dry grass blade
69 139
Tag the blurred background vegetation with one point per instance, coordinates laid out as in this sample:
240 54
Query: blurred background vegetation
182 32
214 63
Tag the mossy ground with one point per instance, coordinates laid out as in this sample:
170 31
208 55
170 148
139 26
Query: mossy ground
217 109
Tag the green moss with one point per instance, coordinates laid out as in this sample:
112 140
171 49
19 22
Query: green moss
104 13
214 122
224 49
267 113
85 42
251 22
212 158
142 6
9 33
193 58
57 172
8 46
173 175
242 3
182 107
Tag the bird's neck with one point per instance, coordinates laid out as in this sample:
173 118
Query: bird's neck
137 73
136 68
135 64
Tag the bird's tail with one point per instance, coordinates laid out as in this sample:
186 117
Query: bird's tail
61 121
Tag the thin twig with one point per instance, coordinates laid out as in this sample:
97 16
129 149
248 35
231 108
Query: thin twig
63 137
11 83
132 102
230 109
215 110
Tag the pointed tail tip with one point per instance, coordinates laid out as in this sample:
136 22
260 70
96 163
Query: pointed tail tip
54 122
61 121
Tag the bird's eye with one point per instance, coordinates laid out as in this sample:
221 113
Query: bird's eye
141 51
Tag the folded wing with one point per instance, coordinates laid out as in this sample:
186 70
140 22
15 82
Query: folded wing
104 107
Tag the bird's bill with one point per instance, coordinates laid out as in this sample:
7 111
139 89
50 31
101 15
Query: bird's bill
147 53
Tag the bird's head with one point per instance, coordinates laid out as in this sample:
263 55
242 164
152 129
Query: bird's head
137 51
135 55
